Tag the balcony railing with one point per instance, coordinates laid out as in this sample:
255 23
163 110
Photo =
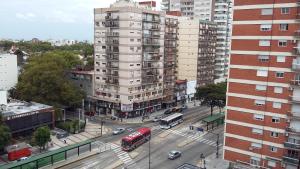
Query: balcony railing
114 42
113 34
294 160
297 33
292 145
295 82
109 17
111 51
296 51
293 130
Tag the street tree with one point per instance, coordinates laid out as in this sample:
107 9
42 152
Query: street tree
212 95
5 134
42 136
44 80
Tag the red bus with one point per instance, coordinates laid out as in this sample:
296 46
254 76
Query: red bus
135 139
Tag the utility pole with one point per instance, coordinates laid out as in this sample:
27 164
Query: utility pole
149 152
101 126
217 154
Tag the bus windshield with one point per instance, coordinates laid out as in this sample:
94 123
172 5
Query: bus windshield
125 143
163 122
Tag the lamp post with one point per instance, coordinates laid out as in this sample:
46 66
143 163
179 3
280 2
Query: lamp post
149 152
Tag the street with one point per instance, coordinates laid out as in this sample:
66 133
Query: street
190 143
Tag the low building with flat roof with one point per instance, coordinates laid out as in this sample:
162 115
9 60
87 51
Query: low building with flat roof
24 117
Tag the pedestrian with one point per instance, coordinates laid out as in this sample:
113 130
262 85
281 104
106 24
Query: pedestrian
65 141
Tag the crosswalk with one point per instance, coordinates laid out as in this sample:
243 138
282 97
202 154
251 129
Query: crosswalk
194 137
124 156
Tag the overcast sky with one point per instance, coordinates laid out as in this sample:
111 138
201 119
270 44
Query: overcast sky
45 19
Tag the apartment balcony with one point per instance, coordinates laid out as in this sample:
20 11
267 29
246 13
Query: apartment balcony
112 58
109 51
153 20
171 36
150 80
293 130
291 159
151 42
112 24
152 50
113 82
112 74
290 145
295 82
112 66
111 18
112 42
112 34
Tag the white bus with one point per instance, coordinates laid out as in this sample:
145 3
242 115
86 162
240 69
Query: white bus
171 121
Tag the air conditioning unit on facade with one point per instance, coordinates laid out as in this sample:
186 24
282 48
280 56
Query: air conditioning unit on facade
251 148
287 134
294 41
291 88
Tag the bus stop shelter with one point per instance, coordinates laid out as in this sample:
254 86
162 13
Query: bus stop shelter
214 121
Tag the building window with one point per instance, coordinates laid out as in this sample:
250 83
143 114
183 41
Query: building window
276 105
262 73
256 145
284 27
280 58
271 164
267 11
274 134
258 117
257 131
254 161
279 74
275 119
131 65
132 48
130 97
263 58
273 149
261 87
278 89
260 102
282 43
265 27
285 10
264 43
131 40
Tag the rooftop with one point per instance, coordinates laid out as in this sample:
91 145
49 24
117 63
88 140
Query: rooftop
16 107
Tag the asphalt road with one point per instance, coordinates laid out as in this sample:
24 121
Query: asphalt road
161 143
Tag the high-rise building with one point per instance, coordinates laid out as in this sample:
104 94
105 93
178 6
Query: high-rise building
262 126
170 52
219 11
8 71
129 59
196 50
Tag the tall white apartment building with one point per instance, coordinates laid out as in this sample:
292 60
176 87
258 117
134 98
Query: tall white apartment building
8 71
219 11
129 59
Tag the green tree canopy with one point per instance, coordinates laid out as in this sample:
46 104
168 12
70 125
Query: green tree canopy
44 80
42 136
213 95
5 134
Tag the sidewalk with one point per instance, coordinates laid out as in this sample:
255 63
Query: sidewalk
211 162
157 113
92 130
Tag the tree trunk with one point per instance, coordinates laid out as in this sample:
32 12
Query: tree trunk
211 110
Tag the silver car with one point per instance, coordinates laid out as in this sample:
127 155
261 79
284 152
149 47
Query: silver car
174 154
118 131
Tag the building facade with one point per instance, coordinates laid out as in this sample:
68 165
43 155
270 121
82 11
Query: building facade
219 11
170 52
262 126
8 71
83 80
196 50
129 59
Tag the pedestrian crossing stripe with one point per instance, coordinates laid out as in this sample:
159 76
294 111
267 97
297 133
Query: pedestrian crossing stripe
124 156
196 138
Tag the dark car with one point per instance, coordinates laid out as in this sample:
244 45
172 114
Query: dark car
169 111
174 154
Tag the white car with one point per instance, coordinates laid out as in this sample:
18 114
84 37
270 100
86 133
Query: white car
118 131
23 158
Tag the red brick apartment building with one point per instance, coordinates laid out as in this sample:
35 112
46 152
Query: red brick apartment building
262 127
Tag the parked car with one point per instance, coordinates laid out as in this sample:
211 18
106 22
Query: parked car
118 131
174 154
157 118
169 111
22 158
